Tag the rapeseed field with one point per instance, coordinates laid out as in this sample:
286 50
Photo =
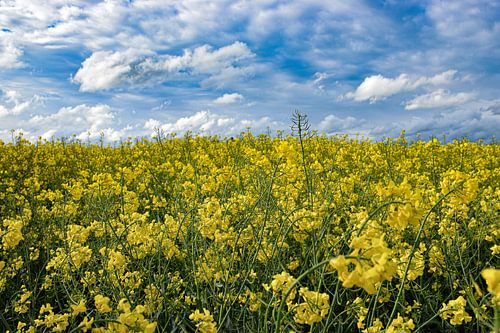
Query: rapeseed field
285 233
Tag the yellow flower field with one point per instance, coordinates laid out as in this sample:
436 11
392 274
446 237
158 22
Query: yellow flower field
250 234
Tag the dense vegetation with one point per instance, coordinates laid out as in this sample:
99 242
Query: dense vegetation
256 233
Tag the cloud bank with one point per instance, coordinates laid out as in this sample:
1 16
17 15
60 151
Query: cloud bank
378 87
87 122
105 70
437 99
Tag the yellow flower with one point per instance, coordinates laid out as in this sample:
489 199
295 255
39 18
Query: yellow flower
281 284
368 264
455 311
206 323
376 327
492 278
21 306
314 308
78 308
86 324
102 304
399 325
13 234
123 306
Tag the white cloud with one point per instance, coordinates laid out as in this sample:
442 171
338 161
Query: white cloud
437 99
152 124
318 79
77 117
207 123
9 56
474 22
477 119
332 123
10 53
95 25
108 134
477 123
13 103
228 76
378 87
439 79
49 134
229 99
3 111
157 24
105 70
82 120
202 121
138 44
204 60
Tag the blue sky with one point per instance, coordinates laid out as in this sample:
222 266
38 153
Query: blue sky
128 68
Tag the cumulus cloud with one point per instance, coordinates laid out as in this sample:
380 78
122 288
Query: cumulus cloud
476 123
64 23
101 24
475 120
332 123
13 103
439 79
82 120
10 53
352 126
378 87
208 123
466 21
437 99
228 99
202 121
9 56
93 116
106 70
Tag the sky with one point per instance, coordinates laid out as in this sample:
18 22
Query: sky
133 68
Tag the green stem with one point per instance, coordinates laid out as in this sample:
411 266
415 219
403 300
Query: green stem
415 244
289 290
427 322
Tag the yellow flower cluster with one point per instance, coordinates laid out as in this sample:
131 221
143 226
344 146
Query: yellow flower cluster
455 311
271 233
24 302
204 321
281 285
49 319
371 261
12 235
400 325
314 307
102 304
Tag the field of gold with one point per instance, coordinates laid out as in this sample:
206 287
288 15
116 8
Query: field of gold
250 234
